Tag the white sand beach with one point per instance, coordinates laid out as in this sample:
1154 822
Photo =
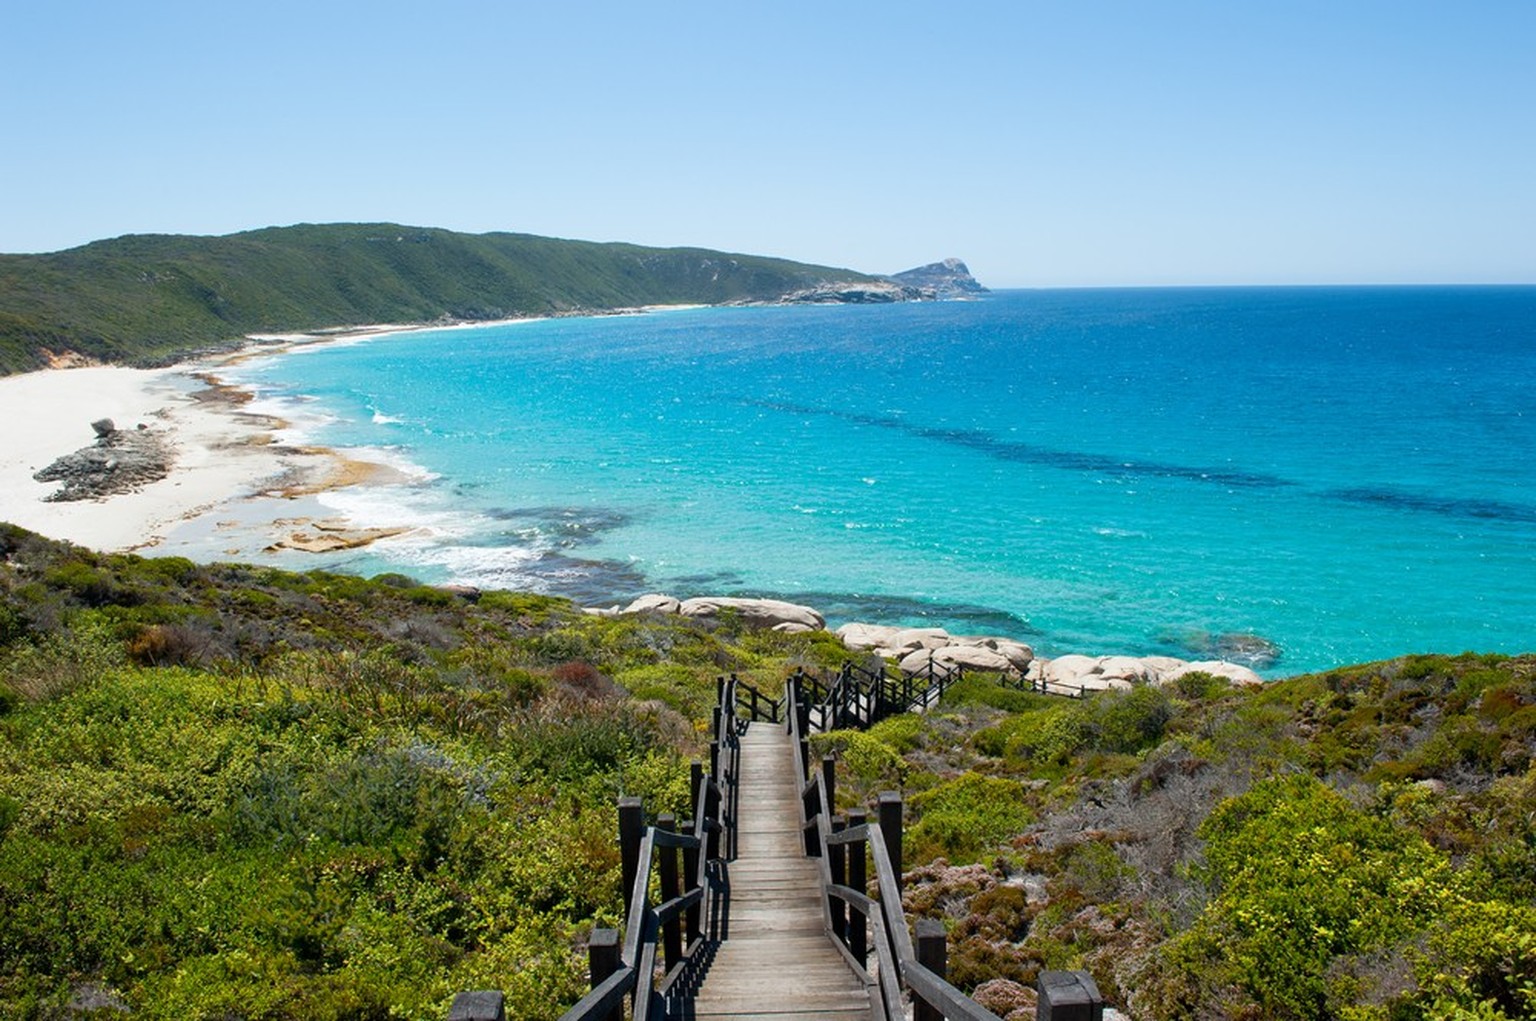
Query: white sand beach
220 451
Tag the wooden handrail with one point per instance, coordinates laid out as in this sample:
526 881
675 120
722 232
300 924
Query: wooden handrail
704 844
855 696
898 964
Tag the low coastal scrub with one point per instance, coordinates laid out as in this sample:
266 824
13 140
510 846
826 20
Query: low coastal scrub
234 792
1357 844
228 791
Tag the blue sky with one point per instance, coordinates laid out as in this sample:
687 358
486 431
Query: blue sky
1046 143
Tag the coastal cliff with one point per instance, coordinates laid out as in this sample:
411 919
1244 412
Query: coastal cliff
157 298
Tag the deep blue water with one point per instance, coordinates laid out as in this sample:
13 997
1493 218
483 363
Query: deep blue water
1348 472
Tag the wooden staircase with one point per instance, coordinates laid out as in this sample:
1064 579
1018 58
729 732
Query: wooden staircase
777 960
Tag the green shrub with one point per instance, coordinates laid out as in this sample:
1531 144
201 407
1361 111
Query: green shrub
13 625
901 733
867 763
975 689
1127 721
1094 869
1047 737
1300 878
966 818
535 608
1199 686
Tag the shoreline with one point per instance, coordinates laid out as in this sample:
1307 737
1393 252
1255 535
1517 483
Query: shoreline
238 488
230 470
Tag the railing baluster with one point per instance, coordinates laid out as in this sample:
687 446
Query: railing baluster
858 879
631 833
691 879
837 863
931 953
603 961
890 828
672 931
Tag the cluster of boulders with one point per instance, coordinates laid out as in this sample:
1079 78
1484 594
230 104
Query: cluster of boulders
774 614
1104 672
120 461
916 649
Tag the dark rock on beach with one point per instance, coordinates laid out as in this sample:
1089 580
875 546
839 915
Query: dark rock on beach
120 461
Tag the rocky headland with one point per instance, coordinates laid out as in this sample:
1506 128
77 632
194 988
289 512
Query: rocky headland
945 280
937 281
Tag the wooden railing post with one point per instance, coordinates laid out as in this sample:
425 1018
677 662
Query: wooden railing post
829 780
810 807
695 775
733 805
837 864
1068 996
931 954
602 961
711 818
631 833
480 1005
672 932
858 879
691 881
890 828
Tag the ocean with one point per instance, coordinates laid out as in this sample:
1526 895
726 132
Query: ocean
1296 477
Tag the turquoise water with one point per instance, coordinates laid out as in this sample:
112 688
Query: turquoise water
1349 473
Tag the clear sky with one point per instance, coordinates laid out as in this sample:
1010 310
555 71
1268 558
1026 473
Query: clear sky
1084 143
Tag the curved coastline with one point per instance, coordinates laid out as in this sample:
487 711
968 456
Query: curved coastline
237 464
225 447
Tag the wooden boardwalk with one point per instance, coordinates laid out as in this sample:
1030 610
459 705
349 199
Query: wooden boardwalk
778 962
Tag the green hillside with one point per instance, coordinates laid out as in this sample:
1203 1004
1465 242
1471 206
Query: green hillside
143 298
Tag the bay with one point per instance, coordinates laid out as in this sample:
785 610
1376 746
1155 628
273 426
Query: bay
1347 473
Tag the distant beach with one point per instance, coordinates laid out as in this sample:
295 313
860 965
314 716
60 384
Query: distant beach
239 471
225 449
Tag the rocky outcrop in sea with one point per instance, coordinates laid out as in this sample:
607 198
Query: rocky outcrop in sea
120 461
